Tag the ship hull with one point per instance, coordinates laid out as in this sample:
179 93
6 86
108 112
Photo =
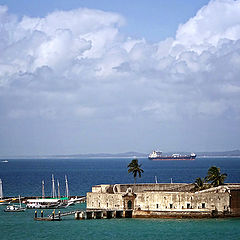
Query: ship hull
170 158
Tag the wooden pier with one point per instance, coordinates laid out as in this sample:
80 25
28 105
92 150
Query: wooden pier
47 219
102 214
52 217
85 215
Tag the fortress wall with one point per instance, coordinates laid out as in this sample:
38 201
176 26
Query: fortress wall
122 188
235 201
172 214
163 201
152 199
97 200
150 187
101 188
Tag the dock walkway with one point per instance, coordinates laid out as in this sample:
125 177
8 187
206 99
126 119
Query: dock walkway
85 214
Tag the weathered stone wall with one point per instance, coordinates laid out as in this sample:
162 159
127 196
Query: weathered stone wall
97 200
153 187
154 199
163 201
101 188
172 214
235 201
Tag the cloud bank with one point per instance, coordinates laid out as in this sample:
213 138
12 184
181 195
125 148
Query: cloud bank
76 67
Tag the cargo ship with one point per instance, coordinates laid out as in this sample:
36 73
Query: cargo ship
157 156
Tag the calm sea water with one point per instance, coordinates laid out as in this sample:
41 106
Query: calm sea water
23 177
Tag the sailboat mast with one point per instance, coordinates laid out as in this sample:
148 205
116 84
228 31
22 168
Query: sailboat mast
59 195
43 190
67 191
1 191
19 201
53 187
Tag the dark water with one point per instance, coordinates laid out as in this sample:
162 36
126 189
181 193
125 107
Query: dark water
23 177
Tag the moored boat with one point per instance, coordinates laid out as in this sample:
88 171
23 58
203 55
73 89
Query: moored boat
15 208
4 202
157 156
44 203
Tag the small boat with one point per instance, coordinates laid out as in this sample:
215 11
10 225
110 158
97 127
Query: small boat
4 202
43 203
15 208
4 161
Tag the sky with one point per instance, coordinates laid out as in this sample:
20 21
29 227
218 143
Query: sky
96 76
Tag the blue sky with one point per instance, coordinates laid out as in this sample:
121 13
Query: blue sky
115 76
152 19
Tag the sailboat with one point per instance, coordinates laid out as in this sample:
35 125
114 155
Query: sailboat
53 202
3 201
15 208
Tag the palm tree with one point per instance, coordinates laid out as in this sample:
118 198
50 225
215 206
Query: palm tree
199 183
135 169
215 177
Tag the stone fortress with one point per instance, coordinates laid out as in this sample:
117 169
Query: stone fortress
177 200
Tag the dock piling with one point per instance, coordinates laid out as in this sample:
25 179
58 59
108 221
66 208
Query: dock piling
109 214
89 215
119 214
98 214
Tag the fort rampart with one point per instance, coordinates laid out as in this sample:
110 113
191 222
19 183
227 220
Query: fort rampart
166 200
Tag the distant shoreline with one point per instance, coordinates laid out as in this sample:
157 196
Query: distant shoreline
230 154
132 154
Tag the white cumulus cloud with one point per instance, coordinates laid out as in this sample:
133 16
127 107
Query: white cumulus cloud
78 66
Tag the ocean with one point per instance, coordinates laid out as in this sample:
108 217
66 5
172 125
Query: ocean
24 176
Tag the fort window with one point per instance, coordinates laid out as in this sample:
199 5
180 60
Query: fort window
203 205
99 204
157 206
188 205
107 204
170 205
